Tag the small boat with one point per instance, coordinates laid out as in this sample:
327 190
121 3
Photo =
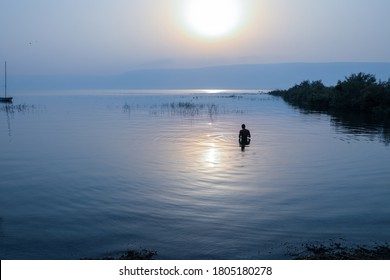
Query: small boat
5 99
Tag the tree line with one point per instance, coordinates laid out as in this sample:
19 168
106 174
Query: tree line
360 93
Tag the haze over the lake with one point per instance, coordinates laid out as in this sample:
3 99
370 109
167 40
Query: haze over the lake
73 37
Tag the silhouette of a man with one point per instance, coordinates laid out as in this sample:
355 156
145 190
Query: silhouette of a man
244 137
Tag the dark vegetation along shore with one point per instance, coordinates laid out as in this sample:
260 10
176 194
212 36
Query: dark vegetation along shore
360 93
358 104
339 251
318 251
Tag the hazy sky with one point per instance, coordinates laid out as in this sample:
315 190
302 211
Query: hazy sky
114 36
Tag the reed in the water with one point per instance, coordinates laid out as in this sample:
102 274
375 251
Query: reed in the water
13 108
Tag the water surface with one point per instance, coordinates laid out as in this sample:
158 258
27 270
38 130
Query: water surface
91 174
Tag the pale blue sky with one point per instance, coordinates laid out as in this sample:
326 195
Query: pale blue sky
114 36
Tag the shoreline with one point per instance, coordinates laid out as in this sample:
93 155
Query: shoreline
337 251
309 251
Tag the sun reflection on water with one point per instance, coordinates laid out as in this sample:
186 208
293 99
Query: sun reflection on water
211 156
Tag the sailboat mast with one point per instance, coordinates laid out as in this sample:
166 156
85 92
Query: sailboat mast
5 76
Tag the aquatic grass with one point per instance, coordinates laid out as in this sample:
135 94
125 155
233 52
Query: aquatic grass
194 109
185 105
20 108
234 96
185 108
126 108
212 109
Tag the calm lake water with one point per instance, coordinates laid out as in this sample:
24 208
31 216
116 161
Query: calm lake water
88 174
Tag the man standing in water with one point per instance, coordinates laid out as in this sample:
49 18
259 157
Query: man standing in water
244 137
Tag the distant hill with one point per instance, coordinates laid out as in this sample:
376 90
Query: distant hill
249 76
253 76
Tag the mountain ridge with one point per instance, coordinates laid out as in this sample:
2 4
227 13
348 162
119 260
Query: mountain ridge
237 76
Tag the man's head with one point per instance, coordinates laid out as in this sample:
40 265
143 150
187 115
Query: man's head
243 126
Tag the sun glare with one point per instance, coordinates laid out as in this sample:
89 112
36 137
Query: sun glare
213 18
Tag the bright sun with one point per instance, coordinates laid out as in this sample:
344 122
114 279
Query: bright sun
213 18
